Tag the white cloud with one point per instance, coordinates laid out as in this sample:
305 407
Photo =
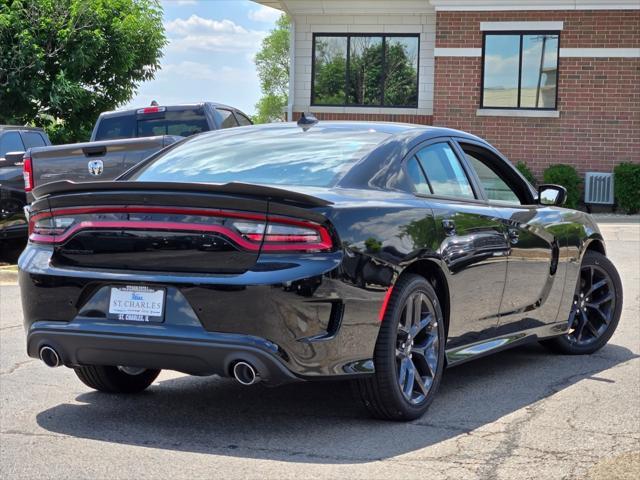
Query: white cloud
197 33
203 71
264 14
182 2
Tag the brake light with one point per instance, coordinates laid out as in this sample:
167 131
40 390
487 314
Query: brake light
249 231
283 234
27 174
142 111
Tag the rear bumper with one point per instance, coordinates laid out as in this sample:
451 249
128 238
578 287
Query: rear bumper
296 317
183 349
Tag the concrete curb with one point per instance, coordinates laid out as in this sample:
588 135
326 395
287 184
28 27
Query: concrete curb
8 275
612 218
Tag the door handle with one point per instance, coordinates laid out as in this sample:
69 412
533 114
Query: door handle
449 227
513 235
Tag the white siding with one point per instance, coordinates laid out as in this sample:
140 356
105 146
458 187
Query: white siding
307 25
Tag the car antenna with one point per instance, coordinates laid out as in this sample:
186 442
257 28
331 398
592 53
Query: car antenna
307 121
154 103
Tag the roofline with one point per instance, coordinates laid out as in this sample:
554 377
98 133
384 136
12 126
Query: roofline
324 7
21 127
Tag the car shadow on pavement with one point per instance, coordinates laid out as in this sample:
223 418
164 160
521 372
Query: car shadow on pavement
320 422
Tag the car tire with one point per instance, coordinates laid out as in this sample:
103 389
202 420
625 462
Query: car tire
595 310
116 379
388 394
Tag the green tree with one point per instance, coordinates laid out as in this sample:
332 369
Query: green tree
272 63
62 62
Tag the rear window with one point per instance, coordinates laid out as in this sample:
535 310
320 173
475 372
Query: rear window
182 123
282 155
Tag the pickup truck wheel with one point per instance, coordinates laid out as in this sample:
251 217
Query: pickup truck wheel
116 379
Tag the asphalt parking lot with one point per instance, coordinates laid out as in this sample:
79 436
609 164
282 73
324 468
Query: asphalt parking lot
520 414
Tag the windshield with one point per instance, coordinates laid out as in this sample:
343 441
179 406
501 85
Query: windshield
274 155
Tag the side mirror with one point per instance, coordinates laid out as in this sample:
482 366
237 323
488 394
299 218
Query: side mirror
13 158
552 195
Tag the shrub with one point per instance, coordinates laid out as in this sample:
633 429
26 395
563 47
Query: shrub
568 177
526 173
626 177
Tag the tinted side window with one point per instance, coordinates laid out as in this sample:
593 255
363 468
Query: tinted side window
10 142
494 186
444 171
228 120
33 139
416 175
242 120
112 128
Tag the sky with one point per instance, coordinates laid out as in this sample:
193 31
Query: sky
210 54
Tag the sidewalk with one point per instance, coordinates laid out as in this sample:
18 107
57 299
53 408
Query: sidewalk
615 218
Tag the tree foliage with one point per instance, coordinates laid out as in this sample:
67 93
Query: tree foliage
62 62
272 63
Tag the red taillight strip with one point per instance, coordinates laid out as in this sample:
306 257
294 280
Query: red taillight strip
169 210
324 244
127 225
385 302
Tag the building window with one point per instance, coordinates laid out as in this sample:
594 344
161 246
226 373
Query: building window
520 70
365 70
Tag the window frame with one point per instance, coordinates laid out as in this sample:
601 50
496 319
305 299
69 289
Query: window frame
521 34
222 120
476 188
502 167
348 36
238 114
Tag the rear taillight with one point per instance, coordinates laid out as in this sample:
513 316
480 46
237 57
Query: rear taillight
249 231
27 173
283 234
44 227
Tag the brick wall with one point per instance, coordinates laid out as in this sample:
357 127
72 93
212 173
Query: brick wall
582 28
598 98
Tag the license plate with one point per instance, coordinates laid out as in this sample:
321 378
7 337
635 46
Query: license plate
136 304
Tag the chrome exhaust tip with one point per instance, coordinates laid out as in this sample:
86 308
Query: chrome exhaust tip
245 374
50 357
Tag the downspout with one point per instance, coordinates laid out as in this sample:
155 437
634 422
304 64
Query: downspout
292 67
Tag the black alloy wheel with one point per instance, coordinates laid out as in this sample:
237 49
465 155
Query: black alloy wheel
596 308
417 348
409 353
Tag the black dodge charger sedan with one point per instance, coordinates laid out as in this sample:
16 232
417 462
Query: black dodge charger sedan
373 252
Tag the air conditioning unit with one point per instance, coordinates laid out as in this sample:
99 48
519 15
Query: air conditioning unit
598 188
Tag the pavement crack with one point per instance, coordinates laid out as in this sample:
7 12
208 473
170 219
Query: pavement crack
17 366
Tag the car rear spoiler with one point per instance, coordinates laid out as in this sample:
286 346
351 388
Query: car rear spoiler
246 189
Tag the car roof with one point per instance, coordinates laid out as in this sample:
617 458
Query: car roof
19 127
392 128
180 106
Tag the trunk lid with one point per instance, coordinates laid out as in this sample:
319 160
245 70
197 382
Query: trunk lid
171 227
